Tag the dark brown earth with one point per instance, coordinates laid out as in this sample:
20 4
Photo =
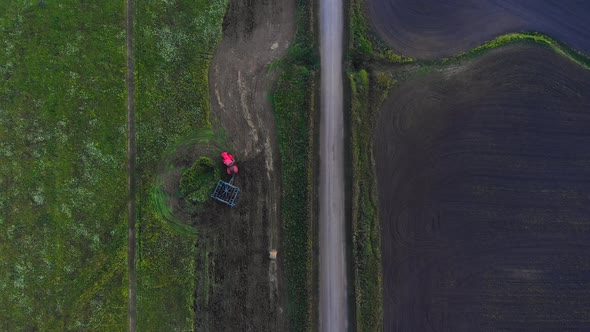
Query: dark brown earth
484 195
245 290
439 28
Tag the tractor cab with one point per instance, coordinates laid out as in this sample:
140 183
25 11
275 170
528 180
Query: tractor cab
226 192
230 163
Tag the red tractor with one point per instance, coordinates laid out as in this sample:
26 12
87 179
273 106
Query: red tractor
230 163
226 192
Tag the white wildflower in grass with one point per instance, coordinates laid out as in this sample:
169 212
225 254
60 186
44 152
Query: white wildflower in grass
80 230
24 303
169 42
93 121
83 95
6 69
6 149
10 232
17 172
73 77
121 35
59 132
65 209
19 280
70 49
96 158
46 259
25 4
95 242
41 164
38 197
9 45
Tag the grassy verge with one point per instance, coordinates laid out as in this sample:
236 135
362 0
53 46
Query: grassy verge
62 166
367 90
293 105
291 102
364 47
175 42
524 37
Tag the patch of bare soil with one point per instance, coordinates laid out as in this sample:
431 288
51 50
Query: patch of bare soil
170 173
238 287
484 196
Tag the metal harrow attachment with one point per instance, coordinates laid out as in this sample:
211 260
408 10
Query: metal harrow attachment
226 192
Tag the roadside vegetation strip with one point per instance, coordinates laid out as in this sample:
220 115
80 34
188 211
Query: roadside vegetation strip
524 37
368 90
174 44
364 46
293 109
367 94
62 166
291 104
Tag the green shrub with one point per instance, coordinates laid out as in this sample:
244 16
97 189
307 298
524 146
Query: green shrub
197 182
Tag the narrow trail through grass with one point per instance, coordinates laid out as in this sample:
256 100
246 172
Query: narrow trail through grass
131 182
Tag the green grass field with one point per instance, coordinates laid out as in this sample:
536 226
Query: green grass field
63 183
62 166
175 42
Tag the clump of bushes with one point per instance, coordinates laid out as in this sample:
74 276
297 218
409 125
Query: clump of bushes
197 181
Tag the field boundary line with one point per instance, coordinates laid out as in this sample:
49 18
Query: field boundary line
131 182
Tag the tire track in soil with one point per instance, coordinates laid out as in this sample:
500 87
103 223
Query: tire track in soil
246 291
484 197
131 154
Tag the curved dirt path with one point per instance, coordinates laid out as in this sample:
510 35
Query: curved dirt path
333 303
246 290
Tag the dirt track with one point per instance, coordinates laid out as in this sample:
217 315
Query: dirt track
131 168
246 292
438 28
485 198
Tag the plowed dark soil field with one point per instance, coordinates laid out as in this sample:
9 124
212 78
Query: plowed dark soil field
431 29
484 186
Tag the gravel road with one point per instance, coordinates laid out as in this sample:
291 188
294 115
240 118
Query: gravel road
332 274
